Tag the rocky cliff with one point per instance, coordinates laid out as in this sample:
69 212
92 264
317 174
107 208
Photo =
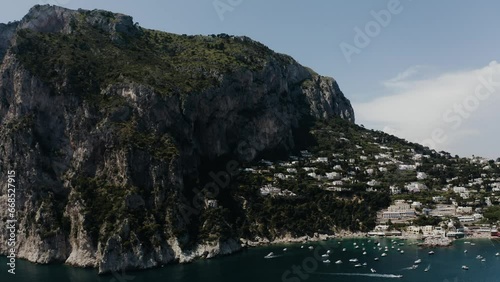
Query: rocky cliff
111 128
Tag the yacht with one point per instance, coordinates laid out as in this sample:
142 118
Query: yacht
338 262
325 255
375 259
270 255
383 254
418 261
326 261
311 247
431 252
357 265
497 254
285 249
402 252
353 260
465 267
364 253
343 250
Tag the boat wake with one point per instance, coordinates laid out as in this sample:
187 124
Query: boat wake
366 274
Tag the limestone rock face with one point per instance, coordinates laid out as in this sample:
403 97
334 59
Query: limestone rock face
100 186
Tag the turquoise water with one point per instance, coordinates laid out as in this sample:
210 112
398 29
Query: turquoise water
250 265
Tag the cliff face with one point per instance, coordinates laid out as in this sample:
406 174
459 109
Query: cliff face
103 168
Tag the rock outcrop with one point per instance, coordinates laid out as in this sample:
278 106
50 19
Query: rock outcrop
101 181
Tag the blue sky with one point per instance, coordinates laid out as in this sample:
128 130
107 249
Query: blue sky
442 44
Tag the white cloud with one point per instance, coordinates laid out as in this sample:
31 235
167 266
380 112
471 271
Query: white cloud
440 110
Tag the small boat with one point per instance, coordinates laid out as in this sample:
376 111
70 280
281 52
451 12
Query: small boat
402 252
328 251
338 262
357 247
357 265
354 244
427 268
472 244
364 253
383 254
270 255
466 242
465 251
365 264
373 270
415 266
431 252
343 250
302 247
375 259
311 247
483 260
479 257
497 254
398 276
353 260
325 255
465 267
285 249
418 261
326 261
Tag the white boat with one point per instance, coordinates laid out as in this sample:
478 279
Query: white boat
364 253
375 259
402 252
418 261
338 262
399 276
328 251
497 254
383 254
483 260
431 252
373 270
357 265
472 244
270 255
285 249
357 247
311 247
415 266
365 264
301 247
479 257
353 260
465 251
325 255
343 250
427 268
326 261
465 267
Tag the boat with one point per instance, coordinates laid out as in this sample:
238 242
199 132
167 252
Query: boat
343 250
465 267
311 247
415 266
357 265
427 268
479 257
431 252
383 254
465 251
301 247
326 261
328 251
466 242
364 253
418 261
375 259
483 260
472 244
497 254
338 262
357 247
373 270
365 264
402 252
325 255
398 276
285 249
353 260
270 255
